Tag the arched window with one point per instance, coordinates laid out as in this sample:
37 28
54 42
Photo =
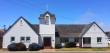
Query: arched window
47 20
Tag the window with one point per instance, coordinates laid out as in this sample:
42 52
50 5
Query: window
12 39
21 23
86 40
47 20
22 39
27 39
76 39
64 40
99 39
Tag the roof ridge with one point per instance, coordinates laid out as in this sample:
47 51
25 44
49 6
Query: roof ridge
69 24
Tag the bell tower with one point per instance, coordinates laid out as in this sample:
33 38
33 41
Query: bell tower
47 29
47 18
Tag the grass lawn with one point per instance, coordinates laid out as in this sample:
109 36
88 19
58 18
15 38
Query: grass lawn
83 49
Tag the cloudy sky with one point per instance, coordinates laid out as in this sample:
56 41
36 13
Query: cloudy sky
66 11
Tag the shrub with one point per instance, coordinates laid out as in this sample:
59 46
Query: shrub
20 47
70 44
34 47
41 47
58 46
17 47
12 47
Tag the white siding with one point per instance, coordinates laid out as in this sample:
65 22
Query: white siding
48 30
19 30
94 32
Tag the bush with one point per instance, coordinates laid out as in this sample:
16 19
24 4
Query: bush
58 46
70 44
12 47
41 47
34 47
17 47
20 47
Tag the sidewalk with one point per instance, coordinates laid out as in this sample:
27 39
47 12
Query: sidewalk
47 50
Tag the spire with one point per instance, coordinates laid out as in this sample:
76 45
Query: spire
47 7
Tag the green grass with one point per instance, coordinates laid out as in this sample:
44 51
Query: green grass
83 49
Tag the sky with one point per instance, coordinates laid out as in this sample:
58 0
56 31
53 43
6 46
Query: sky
66 11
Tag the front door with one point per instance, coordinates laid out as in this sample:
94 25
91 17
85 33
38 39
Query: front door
87 41
47 42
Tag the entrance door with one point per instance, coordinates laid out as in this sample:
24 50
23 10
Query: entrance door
86 42
47 42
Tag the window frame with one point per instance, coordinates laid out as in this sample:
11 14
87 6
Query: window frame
21 39
47 20
99 39
64 40
12 39
28 40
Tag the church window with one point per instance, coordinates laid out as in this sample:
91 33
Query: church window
22 39
12 39
47 20
64 40
99 39
21 23
27 39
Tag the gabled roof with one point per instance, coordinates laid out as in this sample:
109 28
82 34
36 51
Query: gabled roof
108 34
30 25
88 27
16 22
47 12
64 30
71 30
35 27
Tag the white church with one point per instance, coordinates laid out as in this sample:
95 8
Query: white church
48 34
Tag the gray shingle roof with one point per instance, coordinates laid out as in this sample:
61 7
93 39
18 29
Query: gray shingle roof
108 34
35 27
64 30
47 12
72 30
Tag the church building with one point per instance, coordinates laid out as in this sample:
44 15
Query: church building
47 33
